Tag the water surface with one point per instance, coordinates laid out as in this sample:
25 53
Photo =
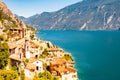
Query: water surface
96 53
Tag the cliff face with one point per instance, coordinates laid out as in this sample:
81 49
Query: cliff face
8 20
85 15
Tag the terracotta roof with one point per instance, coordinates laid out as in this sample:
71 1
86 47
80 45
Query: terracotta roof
15 57
55 49
59 65
61 69
30 66
57 61
70 69
64 70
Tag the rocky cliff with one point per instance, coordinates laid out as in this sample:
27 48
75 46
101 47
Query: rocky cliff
8 20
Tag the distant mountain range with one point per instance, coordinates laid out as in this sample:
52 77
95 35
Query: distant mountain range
84 15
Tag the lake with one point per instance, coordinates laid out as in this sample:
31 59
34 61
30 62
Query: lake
96 53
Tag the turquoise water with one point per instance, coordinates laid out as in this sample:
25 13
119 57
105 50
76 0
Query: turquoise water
96 53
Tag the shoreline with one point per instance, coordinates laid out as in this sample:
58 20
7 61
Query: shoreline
72 64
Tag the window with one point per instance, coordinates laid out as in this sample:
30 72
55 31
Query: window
36 56
73 76
40 68
37 68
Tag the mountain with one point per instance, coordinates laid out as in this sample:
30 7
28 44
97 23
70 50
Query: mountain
20 17
84 15
8 20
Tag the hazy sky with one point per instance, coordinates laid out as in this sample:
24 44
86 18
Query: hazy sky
27 8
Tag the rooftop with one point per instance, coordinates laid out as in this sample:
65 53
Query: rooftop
30 66
32 59
33 44
15 57
14 44
57 61
71 69
55 49
64 70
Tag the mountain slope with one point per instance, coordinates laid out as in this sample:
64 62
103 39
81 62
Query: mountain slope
85 15
8 20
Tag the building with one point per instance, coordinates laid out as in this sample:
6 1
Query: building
34 48
56 51
30 70
59 68
17 32
34 66
17 52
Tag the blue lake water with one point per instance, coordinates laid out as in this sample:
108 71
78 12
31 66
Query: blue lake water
96 53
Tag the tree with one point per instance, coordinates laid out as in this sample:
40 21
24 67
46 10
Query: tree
44 53
55 78
8 75
14 68
68 58
4 54
1 38
36 77
1 78
47 76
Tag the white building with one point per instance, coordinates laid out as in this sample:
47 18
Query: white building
33 67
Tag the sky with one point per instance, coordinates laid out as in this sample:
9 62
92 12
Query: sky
28 8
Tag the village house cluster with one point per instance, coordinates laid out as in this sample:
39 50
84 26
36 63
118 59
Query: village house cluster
25 52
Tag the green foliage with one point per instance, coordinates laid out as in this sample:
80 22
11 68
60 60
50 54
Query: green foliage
36 77
9 33
47 76
44 65
8 75
2 38
44 54
55 78
30 28
41 47
68 57
48 45
14 68
1 77
26 61
22 75
32 36
14 24
4 55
